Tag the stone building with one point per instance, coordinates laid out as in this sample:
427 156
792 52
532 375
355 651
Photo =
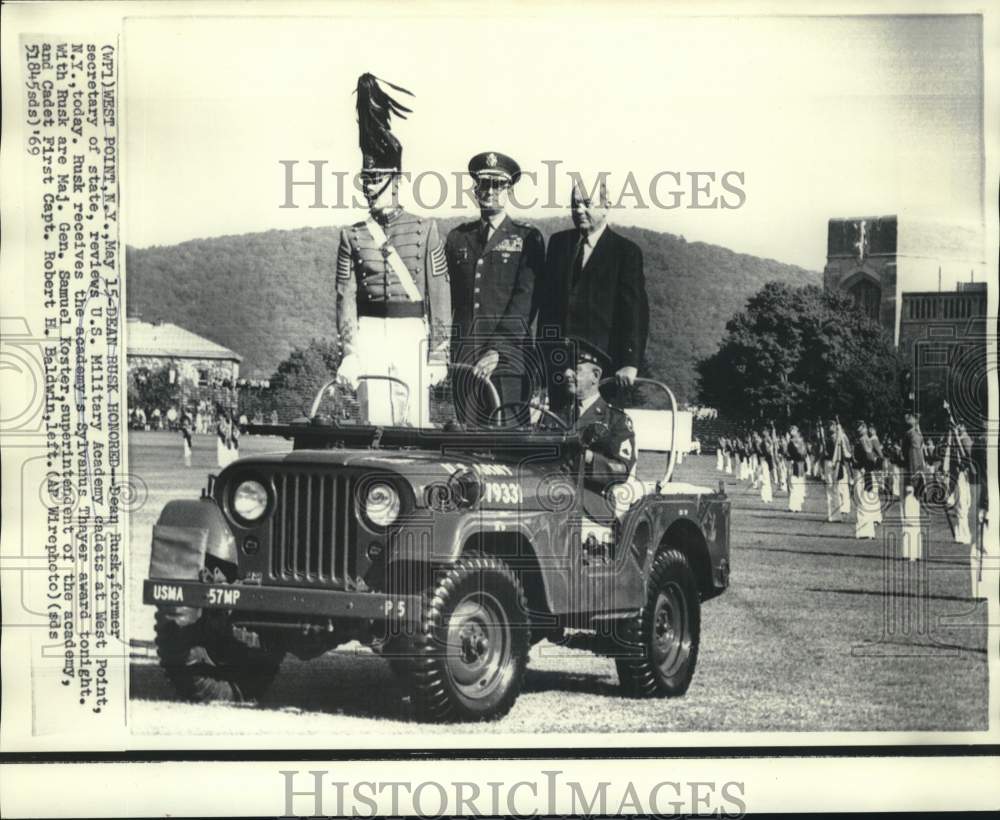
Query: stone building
925 282
201 369
944 336
876 259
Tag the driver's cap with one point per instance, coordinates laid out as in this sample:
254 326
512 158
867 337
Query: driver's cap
586 351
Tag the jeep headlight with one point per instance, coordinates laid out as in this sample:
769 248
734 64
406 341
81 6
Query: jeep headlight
250 500
382 503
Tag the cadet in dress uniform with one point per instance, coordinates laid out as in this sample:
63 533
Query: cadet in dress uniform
961 468
865 484
493 263
796 452
393 298
609 437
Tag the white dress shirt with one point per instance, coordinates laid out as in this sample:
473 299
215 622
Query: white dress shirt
589 242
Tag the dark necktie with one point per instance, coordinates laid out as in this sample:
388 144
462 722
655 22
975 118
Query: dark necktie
578 260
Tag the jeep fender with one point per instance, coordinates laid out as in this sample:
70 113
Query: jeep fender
185 533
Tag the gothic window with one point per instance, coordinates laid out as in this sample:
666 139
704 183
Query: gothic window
867 298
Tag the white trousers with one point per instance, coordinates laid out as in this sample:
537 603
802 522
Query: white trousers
833 500
913 539
782 472
985 586
868 508
796 492
765 483
719 461
729 464
844 489
963 503
397 348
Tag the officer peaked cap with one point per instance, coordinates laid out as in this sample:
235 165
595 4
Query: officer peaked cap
494 164
588 352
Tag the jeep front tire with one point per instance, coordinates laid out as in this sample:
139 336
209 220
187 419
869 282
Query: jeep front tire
662 641
467 657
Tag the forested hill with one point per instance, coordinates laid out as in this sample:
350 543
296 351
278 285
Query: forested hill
262 294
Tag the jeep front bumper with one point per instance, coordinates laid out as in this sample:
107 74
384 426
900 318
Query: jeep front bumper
325 603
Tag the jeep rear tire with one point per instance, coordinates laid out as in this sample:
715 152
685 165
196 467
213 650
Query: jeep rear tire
467 658
662 640
205 661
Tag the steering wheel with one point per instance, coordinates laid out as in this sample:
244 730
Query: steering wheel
560 421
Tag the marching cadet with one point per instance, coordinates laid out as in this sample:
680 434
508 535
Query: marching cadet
493 263
393 297
719 458
912 455
961 448
796 450
233 443
186 428
865 488
755 446
833 469
609 437
912 447
881 475
222 433
765 454
845 481
781 459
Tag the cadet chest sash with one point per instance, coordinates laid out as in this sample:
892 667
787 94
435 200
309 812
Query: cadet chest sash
392 257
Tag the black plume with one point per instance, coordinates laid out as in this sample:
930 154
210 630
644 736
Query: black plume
375 108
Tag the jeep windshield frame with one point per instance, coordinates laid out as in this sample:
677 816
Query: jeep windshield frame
500 443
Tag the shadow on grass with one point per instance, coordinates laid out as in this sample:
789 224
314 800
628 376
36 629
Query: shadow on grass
798 535
350 685
878 593
355 685
538 680
831 554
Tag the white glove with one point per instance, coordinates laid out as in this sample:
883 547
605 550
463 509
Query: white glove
349 370
488 363
436 372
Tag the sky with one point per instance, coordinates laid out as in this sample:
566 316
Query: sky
822 116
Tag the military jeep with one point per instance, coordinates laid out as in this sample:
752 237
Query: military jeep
448 551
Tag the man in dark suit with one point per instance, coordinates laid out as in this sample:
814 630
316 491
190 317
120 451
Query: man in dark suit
492 265
594 290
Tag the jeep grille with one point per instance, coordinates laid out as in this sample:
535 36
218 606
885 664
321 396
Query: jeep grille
313 529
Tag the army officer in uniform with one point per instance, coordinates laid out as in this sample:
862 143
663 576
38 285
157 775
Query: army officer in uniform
393 299
493 263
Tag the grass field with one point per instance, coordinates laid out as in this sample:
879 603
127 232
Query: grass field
818 631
